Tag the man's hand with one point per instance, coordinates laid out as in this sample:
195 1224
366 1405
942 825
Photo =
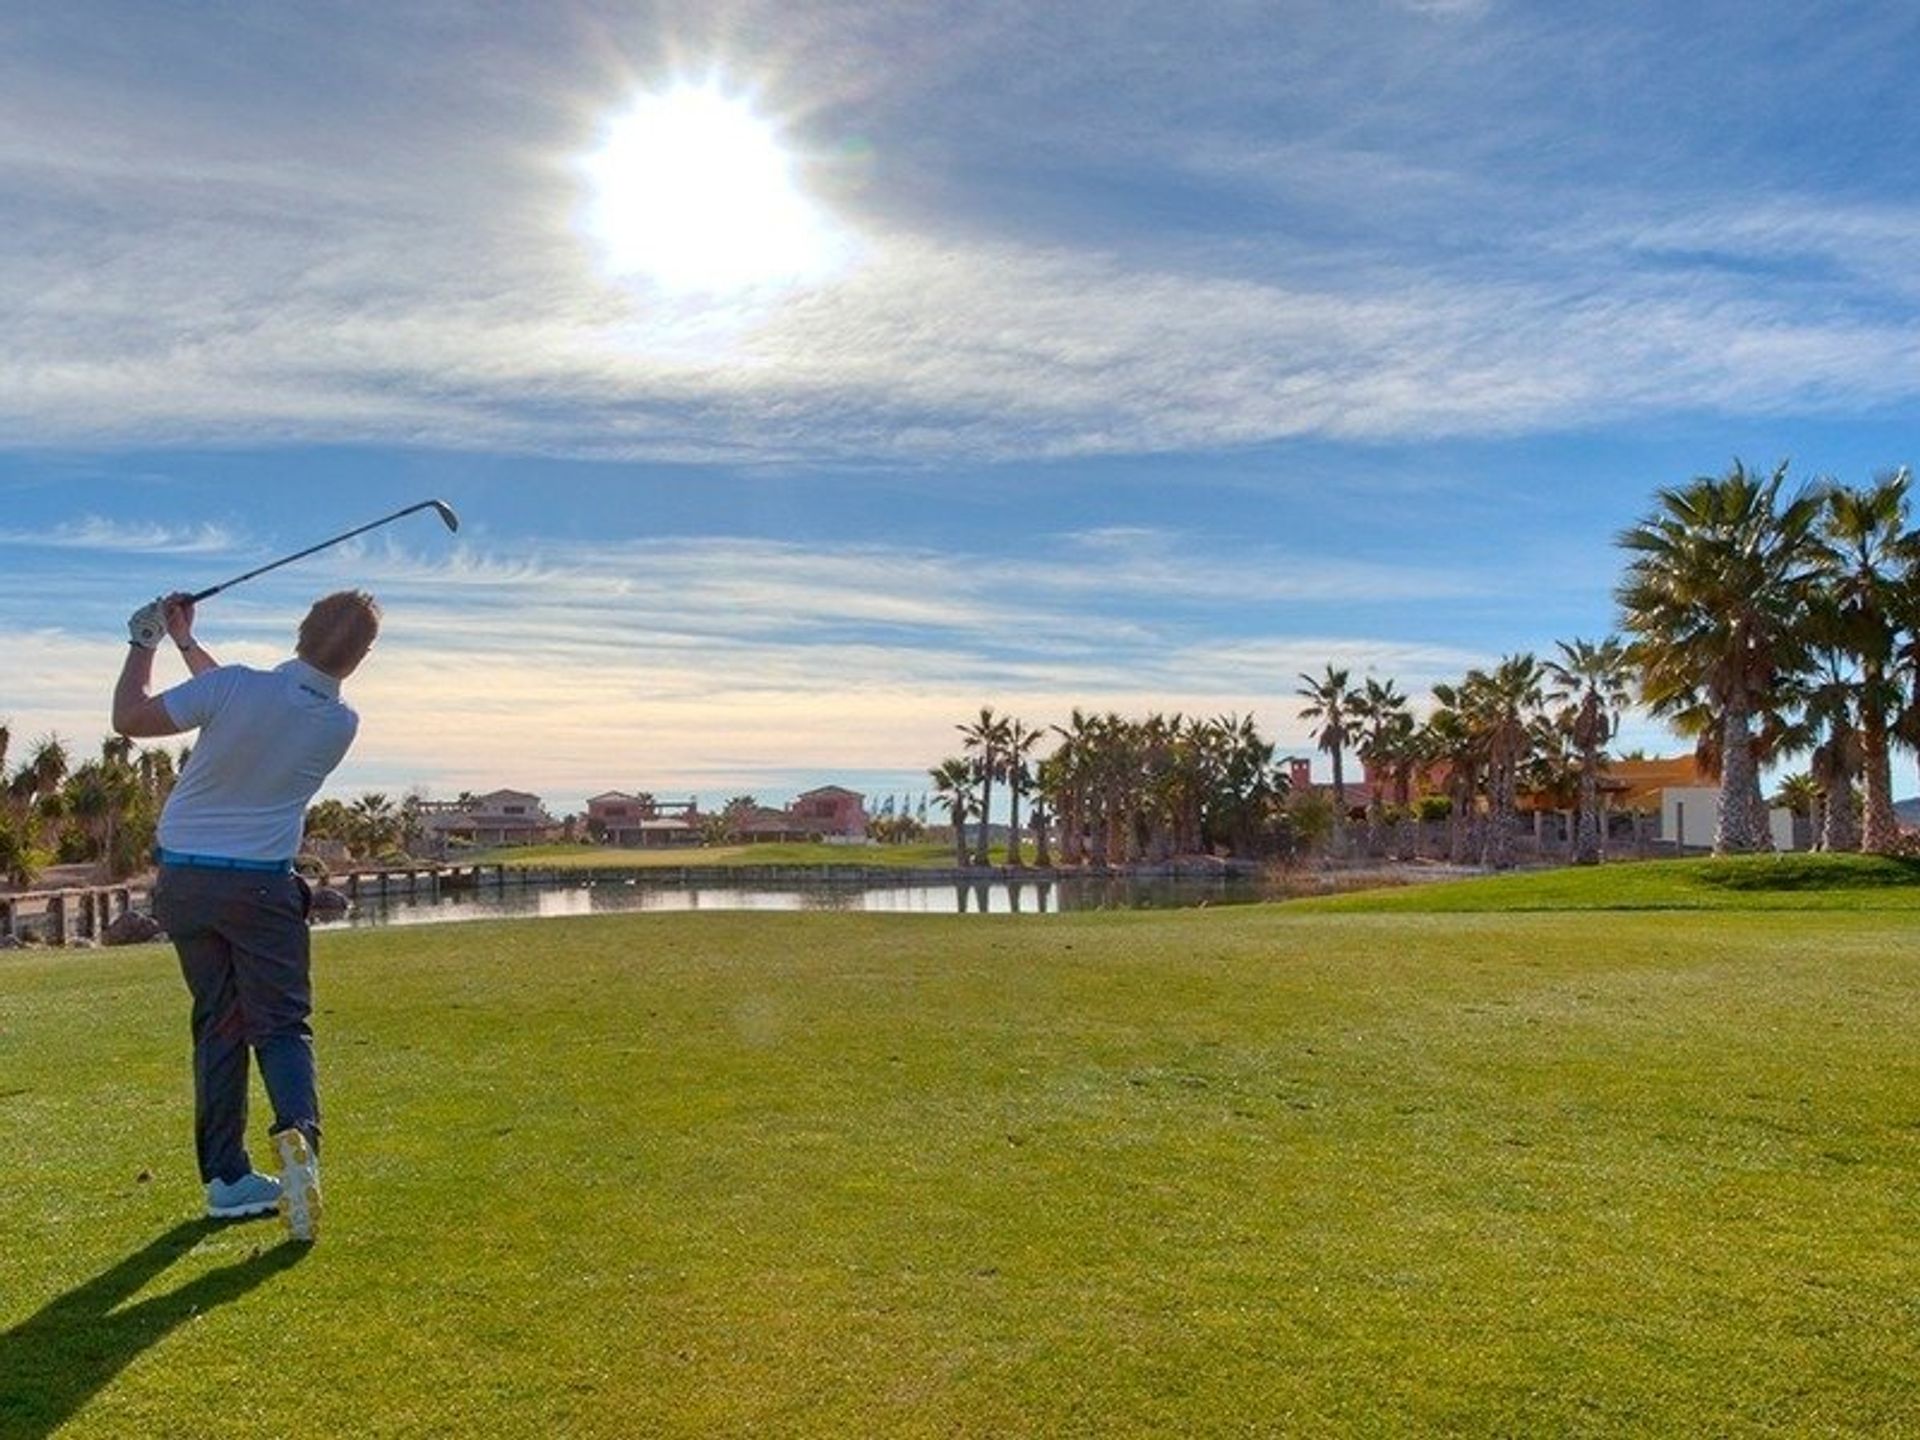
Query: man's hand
147 626
177 610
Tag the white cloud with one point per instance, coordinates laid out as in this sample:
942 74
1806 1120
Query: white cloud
706 663
239 307
94 532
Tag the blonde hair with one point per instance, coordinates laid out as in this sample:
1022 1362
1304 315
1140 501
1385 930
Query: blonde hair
338 631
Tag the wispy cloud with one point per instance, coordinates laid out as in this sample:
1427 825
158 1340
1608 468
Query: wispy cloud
94 532
181 279
716 662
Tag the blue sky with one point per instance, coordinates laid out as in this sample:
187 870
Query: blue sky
1159 353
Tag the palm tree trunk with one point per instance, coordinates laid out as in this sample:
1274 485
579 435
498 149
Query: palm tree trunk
982 852
1739 783
1880 827
1499 851
1586 844
1460 822
1339 840
1839 831
1013 816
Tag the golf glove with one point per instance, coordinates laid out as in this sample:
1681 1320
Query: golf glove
147 627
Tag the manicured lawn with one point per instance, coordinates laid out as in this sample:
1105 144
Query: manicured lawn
1755 882
1237 1172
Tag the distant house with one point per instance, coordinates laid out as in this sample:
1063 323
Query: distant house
1356 790
759 825
832 812
642 821
500 817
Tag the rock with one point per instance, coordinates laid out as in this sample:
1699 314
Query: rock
329 901
132 928
12 942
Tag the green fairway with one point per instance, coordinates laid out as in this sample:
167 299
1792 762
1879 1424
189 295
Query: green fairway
1232 1172
1749 882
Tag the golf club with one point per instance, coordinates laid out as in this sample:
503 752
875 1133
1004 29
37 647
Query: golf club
439 507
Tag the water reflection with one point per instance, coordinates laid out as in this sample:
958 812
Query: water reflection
970 897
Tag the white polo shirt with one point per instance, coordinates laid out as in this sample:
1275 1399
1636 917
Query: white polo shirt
268 740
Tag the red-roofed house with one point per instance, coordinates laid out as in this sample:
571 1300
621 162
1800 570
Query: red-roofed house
832 812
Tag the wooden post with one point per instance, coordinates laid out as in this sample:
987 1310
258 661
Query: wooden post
6 919
56 919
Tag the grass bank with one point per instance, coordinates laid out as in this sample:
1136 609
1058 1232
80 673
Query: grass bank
1754 882
1255 1171
604 857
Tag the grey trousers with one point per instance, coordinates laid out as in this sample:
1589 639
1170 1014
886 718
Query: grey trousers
243 945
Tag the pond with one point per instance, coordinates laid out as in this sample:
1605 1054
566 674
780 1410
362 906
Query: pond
973 897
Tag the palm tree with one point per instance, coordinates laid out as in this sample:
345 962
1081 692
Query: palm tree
1826 700
1382 724
986 740
374 821
1018 755
1868 559
1044 785
953 780
1456 738
1589 682
1511 698
44 773
1244 790
1801 793
1713 598
1066 782
1330 704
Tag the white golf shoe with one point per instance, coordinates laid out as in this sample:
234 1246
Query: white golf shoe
299 1185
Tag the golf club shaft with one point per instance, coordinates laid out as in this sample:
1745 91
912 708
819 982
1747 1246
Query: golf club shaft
445 514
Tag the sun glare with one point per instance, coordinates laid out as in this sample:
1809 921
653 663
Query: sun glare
694 191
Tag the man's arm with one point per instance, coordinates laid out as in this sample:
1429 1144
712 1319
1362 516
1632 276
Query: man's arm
137 714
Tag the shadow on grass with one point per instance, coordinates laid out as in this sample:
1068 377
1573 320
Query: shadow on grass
54 1362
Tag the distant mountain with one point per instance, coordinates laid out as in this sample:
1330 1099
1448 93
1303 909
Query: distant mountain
1908 811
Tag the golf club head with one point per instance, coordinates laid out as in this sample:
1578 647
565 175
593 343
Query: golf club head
445 512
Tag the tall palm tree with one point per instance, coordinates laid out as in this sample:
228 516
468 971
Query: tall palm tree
1511 696
1826 699
1044 785
1018 760
953 781
985 739
1713 600
1456 737
1330 706
1589 682
1868 559
1382 725
1070 782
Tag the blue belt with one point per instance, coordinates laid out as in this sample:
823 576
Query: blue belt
220 862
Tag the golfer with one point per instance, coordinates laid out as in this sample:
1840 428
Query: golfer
226 890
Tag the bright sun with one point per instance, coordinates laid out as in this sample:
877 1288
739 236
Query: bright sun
693 190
